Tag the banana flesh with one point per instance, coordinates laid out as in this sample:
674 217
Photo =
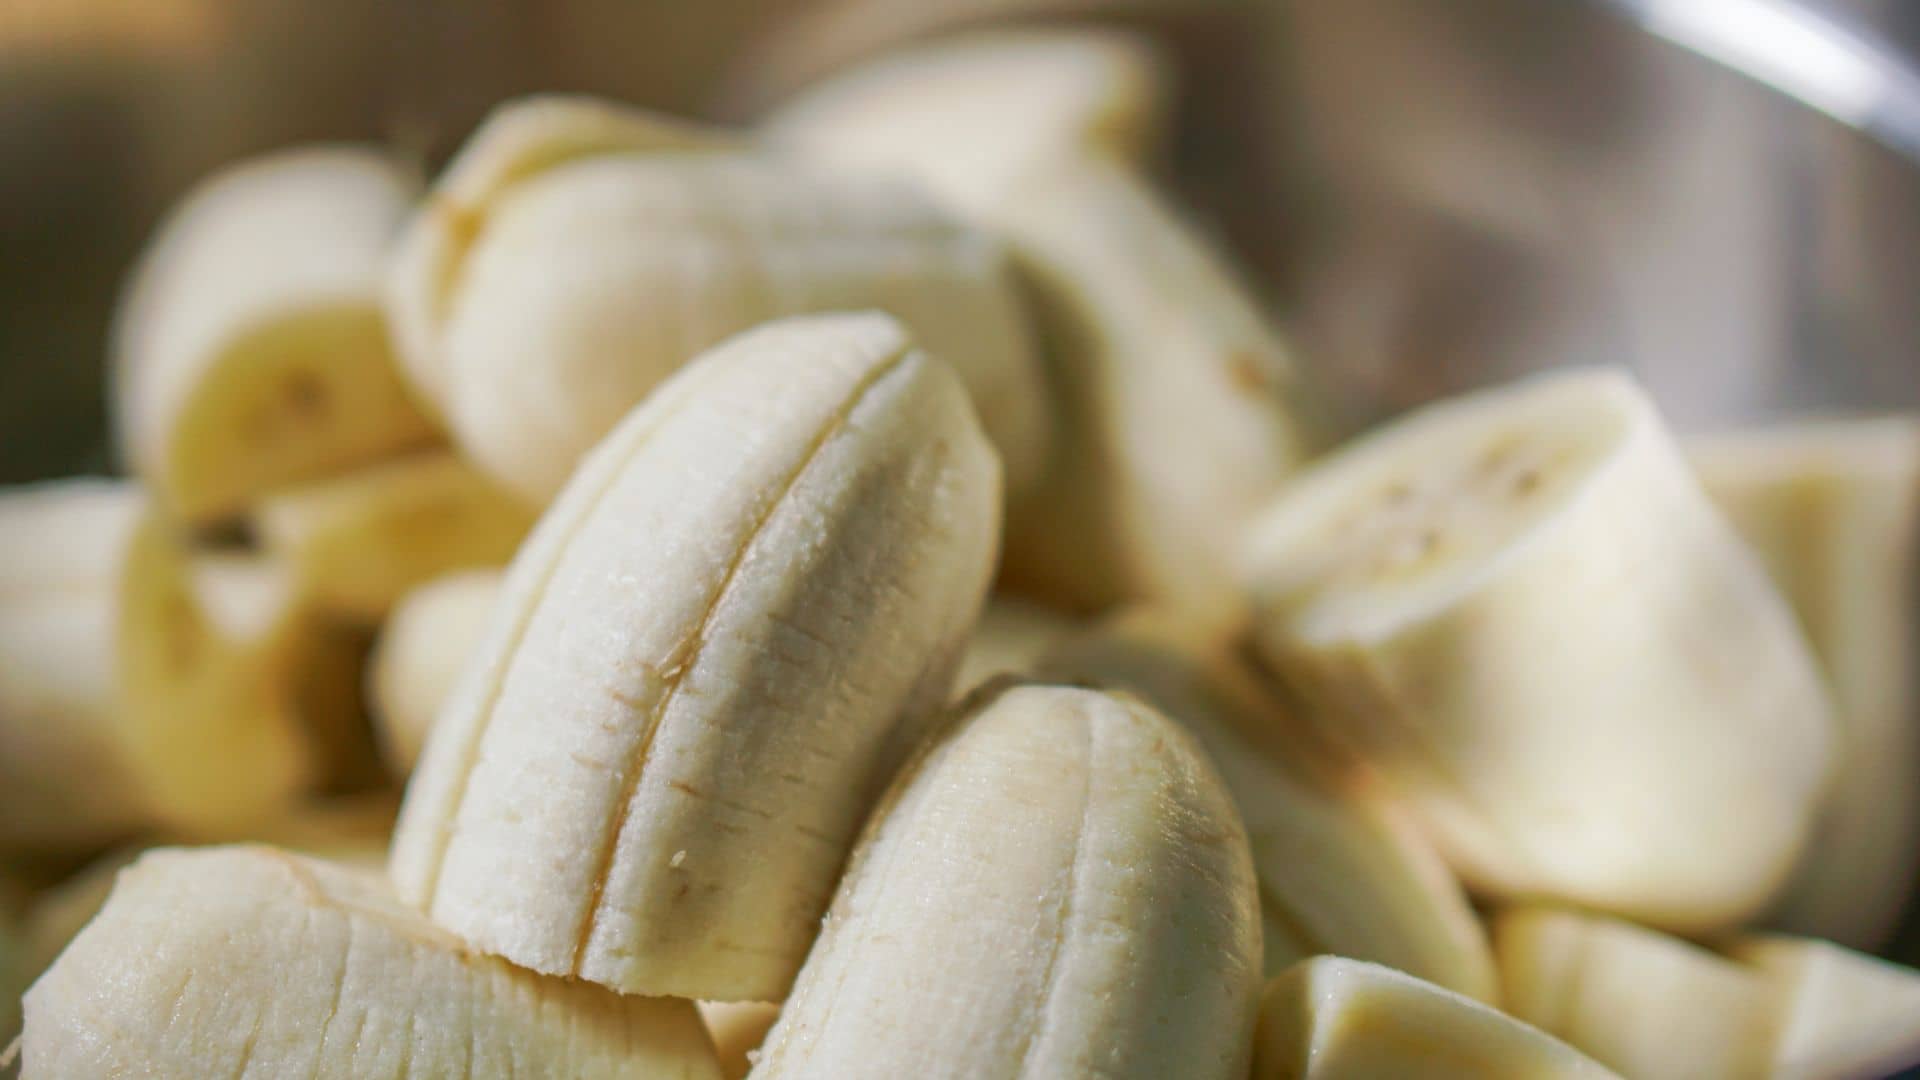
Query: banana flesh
1842 1013
1341 871
1833 509
249 348
252 962
704 664
1520 607
1058 886
418 657
1332 1018
737 1028
1011 635
616 267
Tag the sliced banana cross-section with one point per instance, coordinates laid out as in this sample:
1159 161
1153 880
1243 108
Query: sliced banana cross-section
1522 609
418 657
705 663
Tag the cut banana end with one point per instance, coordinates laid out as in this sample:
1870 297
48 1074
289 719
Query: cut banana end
251 962
1458 596
1058 886
965 115
360 541
1843 1014
1834 511
617 263
705 663
250 351
1011 635
737 1028
1332 1018
1340 871
424 644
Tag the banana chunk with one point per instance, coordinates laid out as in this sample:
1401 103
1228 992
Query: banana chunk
1833 509
737 1028
1332 1018
1842 1013
249 350
358 542
418 657
1058 886
705 663
1341 871
615 267
1522 609
1010 637
251 962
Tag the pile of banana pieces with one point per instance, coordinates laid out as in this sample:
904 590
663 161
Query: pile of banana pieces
871 596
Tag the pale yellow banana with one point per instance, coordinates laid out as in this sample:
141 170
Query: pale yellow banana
252 962
1012 633
359 541
616 265
1340 869
704 664
1058 886
737 1029
1842 1014
250 351
1332 1018
424 644
1833 509
1522 609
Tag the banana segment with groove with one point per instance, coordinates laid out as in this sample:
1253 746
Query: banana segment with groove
705 663
253 962
1057 886
249 350
1341 870
617 265
1332 1018
418 657
1833 509
1520 607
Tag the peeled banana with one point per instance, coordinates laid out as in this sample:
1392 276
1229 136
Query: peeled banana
1012 633
616 267
1340 869
359 541
704 664
1521 608
252 962
737 1028
422 647
1842 1013
1834 511
1331 1018
1058 886
249 350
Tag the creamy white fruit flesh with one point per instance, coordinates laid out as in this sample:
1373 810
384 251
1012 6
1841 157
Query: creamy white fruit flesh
421 649
249 349
1332 1018
1521 608
737 1028
1833 509
252 962
1341 869
1012 633
1058 886
705 663
1841 1013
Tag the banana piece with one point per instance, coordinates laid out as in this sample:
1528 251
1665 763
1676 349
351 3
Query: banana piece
1332 1018
1340 870
249 349
1833 509
1521 608
252 962
704 664
1842 1013
1058 886
360 541
615 267
135 689
1011 635
966 114
421 649
737 1029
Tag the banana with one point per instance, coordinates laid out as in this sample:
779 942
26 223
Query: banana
1522 609
249 349
1333 1018
966 114
1057 886
1340 870
1833 509
1842 1013
1011 635
418 656
615 267
737 1029
358 542
704 664
252 962
137 687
